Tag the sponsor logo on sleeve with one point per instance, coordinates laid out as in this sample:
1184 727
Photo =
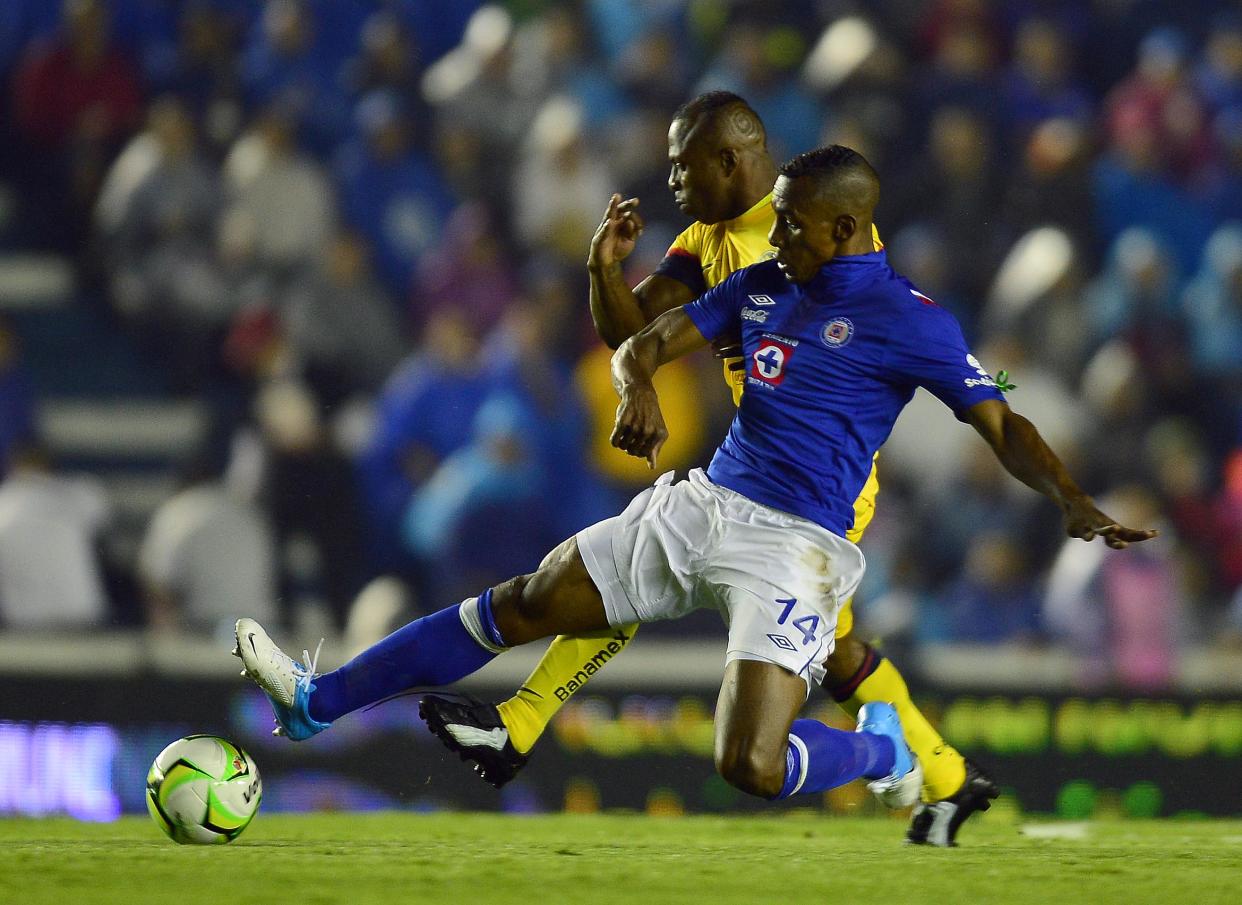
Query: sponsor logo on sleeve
984 379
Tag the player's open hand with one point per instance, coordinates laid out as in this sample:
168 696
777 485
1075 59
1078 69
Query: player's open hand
640 429
617 233
1085 521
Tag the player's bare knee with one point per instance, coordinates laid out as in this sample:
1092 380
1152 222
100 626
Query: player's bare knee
751 771
515 615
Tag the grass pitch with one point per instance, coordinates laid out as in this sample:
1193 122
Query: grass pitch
548 860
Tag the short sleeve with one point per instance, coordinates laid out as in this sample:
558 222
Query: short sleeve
927 349
716 310
683 260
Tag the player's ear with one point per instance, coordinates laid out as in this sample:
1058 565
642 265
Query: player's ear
729 160
844 227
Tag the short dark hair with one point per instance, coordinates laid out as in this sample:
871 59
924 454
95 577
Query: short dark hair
824 161
840 171
710 102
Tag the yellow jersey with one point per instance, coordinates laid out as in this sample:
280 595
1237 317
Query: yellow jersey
704 254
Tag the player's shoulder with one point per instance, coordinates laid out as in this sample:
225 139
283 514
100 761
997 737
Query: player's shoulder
763 276
691 238
908 300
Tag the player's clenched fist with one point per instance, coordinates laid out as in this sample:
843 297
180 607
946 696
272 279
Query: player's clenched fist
617 233
640 429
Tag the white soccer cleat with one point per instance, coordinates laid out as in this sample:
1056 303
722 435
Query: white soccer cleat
285 681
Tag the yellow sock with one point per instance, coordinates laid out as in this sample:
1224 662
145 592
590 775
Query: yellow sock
567 665
944 768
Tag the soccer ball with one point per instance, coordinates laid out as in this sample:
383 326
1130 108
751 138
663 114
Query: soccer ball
203 790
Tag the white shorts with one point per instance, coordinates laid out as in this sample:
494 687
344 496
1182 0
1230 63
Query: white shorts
777 579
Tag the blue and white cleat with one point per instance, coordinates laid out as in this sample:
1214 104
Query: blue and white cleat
285 681
901 787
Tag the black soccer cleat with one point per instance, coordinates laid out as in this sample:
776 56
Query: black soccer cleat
474 730
937 823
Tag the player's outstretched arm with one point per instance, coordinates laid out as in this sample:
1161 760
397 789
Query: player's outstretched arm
640 429
1026 456
618 311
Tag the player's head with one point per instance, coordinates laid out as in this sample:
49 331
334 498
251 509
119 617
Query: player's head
824 202
718 155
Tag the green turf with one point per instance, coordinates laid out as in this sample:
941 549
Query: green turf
549 860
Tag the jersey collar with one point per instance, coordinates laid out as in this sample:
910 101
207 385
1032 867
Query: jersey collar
761 211
847 273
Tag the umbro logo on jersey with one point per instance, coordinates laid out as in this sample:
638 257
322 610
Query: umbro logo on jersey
782 642
762 301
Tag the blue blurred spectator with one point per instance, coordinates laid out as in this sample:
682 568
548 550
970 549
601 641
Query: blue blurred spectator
438 25
993 601
1129 189
460 523
758 65
204 71
388 59
17 404
1040 83
284 63
22 22
1213 306
555 54
390 193
1218 77
424 413
961 71
1136 290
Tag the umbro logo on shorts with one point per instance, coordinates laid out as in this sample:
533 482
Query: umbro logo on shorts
782 642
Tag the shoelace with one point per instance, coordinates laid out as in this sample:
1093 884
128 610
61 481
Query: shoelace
305 679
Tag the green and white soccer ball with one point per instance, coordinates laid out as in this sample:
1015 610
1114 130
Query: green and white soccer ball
203 790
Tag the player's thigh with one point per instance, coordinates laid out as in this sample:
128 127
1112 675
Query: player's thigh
757 704
559 598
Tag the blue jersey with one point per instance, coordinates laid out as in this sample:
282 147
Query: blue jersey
830 365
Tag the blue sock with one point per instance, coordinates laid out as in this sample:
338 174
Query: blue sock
821 758
433 650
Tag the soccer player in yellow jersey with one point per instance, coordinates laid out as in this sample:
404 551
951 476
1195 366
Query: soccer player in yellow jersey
721 174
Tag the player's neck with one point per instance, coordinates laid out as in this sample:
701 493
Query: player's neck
754 187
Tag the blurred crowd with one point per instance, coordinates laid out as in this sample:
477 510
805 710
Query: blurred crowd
356 230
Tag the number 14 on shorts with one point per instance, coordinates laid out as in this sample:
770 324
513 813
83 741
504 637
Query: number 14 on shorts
808 625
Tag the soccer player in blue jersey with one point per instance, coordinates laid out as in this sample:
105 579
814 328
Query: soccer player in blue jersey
836 343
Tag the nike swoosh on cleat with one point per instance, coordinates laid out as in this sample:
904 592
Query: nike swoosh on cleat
474 737
529 690
250 638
